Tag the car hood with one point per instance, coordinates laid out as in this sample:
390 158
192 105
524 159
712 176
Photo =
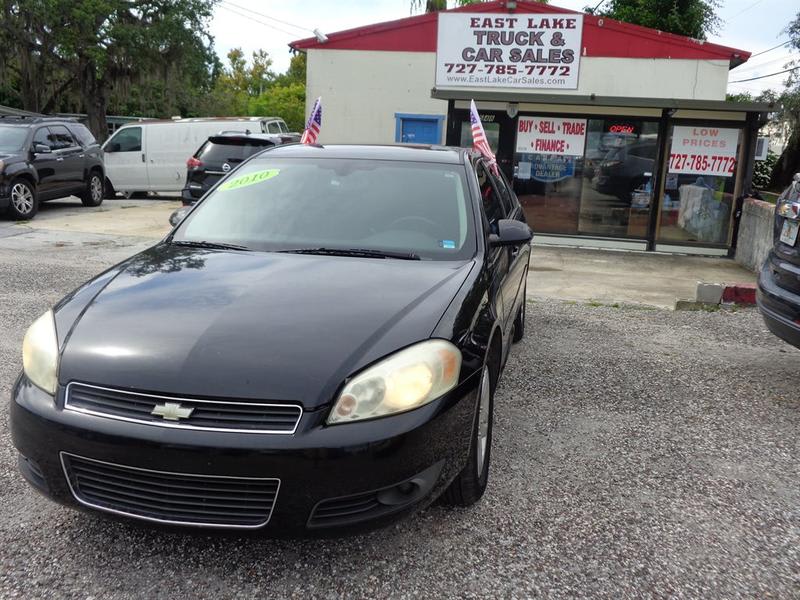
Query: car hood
248 325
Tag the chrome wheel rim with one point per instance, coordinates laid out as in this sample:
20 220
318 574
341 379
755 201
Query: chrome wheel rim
483 419
96 188
22 198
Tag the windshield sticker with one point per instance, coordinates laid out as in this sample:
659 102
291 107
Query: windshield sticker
448 244
249 179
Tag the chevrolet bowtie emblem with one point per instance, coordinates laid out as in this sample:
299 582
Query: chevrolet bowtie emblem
171 411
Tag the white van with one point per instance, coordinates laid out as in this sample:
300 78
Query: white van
150 156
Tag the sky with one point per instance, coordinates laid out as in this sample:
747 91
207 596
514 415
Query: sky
752 25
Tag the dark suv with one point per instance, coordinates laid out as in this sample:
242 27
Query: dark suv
779 280
43 158
219 155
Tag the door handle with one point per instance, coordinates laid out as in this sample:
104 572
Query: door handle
143 157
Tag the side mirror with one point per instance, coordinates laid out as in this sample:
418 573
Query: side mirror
179 215
511 233
41 149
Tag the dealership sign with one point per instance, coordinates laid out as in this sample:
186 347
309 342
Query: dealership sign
551 135
514 51
703 151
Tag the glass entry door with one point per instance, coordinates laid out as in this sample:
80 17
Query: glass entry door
699 186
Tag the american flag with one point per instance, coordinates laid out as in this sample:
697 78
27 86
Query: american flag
479 141
314 124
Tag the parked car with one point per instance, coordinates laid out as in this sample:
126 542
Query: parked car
345 316
778 293
150 156
43 158
217 156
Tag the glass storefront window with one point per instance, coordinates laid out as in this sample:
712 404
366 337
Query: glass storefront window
699 185
491 129
597 183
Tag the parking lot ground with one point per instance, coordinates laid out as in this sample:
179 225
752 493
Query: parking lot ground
637 453
609 276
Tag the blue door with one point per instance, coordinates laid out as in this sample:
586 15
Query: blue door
420 131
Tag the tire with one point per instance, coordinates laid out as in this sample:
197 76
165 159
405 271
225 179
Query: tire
94 192
519 321
24 200
470 484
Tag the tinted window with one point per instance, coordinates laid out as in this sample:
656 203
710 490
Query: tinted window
128 139
215 154
12 139
283 127
61 137
492 204
43 136
82 134
273 127
281 204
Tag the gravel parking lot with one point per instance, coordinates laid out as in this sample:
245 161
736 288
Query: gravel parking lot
637 453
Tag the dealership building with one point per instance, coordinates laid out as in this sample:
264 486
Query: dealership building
613 135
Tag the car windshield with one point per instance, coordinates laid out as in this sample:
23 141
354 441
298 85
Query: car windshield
418 209
12 139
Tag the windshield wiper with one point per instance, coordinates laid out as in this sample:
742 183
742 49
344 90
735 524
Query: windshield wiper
207 244
358 252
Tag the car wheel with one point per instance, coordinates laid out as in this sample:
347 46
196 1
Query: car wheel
24 203
94 193
469 485
519 321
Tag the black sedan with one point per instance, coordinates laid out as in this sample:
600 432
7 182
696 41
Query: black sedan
779 280
313 349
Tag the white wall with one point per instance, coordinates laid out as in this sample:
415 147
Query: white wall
361 90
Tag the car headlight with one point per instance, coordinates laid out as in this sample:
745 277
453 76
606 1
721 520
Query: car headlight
40 353
404 381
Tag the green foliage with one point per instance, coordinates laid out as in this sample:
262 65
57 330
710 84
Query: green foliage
789 112
693 18
762 170
286 101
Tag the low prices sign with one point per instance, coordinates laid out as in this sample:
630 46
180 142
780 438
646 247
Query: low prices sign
550 135
703 151
509 51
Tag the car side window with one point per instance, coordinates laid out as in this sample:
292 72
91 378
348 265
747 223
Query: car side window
490 199
82 134
128 139
42 136
507 198
273 127
62 138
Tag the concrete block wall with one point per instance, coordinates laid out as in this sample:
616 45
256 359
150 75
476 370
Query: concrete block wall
755 233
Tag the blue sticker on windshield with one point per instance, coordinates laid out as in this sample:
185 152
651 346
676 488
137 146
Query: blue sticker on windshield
449 244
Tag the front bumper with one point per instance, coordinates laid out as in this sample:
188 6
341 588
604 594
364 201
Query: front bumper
318 463
779 307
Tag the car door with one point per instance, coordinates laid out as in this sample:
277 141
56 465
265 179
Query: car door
518 256
45 163
124 159
498 257
70 159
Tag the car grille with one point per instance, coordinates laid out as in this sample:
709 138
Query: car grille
175 498
208 415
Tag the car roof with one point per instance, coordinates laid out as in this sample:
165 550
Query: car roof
22 121
404 152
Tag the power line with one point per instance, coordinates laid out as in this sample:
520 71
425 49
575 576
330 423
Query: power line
745 9
260 14
770 49
265 24
748 67
765 76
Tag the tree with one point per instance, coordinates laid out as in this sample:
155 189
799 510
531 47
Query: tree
789 162
88 52
692 18
286 101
